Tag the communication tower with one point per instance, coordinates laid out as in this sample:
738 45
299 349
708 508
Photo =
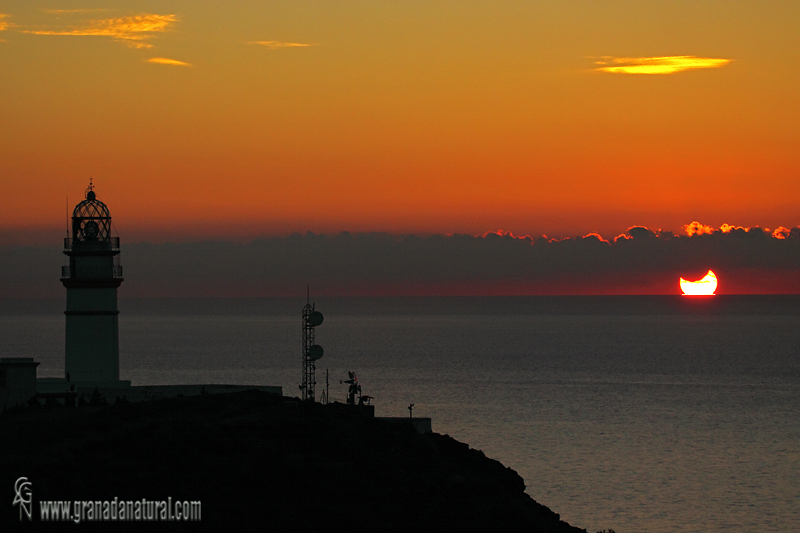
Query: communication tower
311 351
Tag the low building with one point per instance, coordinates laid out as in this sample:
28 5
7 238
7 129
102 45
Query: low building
17 380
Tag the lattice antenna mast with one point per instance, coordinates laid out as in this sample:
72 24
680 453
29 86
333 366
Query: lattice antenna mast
311 351
308 365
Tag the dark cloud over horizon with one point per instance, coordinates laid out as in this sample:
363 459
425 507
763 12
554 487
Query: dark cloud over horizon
642 261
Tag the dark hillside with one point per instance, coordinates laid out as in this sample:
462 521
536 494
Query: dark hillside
260 462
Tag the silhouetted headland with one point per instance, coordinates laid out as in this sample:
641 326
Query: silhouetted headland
262 462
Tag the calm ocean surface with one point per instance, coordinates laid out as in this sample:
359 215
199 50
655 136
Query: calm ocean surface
641 414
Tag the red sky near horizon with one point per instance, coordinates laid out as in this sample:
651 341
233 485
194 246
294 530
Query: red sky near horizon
202 121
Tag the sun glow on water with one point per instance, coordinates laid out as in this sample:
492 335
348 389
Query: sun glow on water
702 287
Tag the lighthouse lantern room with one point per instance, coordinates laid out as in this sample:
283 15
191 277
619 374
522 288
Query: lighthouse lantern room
91 279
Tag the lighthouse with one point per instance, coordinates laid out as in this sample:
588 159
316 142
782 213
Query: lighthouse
92 279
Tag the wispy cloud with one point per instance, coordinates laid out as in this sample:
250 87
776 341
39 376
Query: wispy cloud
165 61
134 44
279 44
63 11
4 25
657 65
129 30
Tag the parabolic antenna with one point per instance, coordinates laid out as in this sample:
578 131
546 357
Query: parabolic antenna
315 352
315 319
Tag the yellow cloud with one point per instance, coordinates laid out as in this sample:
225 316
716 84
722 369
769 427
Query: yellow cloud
137 44
134 44
279 44
781 233
4 25
62 11
165 61
658 65
696 228
129 30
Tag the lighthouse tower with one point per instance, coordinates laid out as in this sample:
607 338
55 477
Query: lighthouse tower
92 279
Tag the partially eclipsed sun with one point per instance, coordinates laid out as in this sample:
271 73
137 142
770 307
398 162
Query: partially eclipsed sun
701 287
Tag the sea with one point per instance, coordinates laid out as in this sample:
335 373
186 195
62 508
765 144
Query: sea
642 414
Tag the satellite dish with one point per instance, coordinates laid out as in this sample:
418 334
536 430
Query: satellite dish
315 319
315 352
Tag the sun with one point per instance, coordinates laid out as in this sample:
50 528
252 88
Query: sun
701 287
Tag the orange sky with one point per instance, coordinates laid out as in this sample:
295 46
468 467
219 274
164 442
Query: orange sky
249 118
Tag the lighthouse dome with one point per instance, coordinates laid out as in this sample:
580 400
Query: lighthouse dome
91 208
91 219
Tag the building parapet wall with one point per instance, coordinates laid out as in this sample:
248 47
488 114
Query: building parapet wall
123 391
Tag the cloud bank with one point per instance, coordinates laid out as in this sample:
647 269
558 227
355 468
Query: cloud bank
640 261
